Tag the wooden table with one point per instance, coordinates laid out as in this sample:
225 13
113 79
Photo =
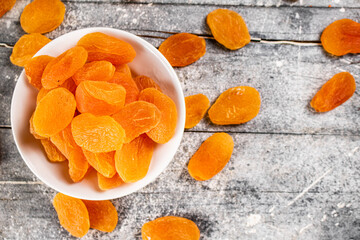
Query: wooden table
294 174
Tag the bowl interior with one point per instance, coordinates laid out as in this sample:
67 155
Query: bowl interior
148 61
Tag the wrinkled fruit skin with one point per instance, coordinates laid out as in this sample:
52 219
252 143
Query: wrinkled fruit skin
104 163
132 91
35 68
235 106
6 5
183 49
109 183
144 82
212 156
170 228
341 37
53 154
334 92
228 28
103 215
196 107
95 71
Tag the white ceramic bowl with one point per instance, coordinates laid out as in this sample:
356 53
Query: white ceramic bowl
148 61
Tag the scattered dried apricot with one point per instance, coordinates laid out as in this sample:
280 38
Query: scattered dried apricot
6 5
102 214
109 183
196 107
104 163
95 71
53 154
132 92
35 68
144 82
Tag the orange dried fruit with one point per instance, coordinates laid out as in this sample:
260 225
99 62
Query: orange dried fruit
42 16
170 228
137 118
35 68
104 163
26 47
97 134
54 112
144 82
235 106
228 28
53 154
5 6
132 161
104 47
99 98
165 130
212 156
73 214
132 92
68 84
196 107
334 92
63 67
95 71
109 183
102 214
183 49
123 69
32 131
341 37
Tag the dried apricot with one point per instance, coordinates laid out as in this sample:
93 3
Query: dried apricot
32 131
212 156
341 37
334 92
196 107
228 28
73 214
123 69
183 49
53 154
6 5
104 163
144 82
63 67
42 16
235 106
104 47
132 161
132 92
35 68
103 215
95 71
109 183
68 84
170 228
97 134
165 130
137 118
26 47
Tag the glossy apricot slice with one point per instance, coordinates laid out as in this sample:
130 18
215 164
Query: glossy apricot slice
95 71
5 6
35 68
109 183
103 215
196 107
144 82
53 154
104 163
132 92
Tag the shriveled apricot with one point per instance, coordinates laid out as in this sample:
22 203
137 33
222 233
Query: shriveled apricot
109 183
132 92
235 106
68 84
103 215
73 214
170 228
32 131
95 71
53 154
97 134
183 49
228 28
54 112
104 163
6 5
165 130
104 47
212 156
123 69
137 118
196 107
42 16
35 68
341 37
99 98
63 67
26 47
334 92
144 82
132 161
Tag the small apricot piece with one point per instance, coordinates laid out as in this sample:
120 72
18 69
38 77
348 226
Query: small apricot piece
109 183
63 67
97 134
132 161
5 6
228 28
170 228
54 112
95 71
183 49
196 107
35 68
165 130
32 131
73 214
53 154
42 16
144 82
104 47
103 215
341 37
334 92
212 156
235 106
137 118
68 84
123 69
99 98
132 92
26 47
104 163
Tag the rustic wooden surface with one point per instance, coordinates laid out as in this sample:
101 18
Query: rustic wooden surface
294 174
